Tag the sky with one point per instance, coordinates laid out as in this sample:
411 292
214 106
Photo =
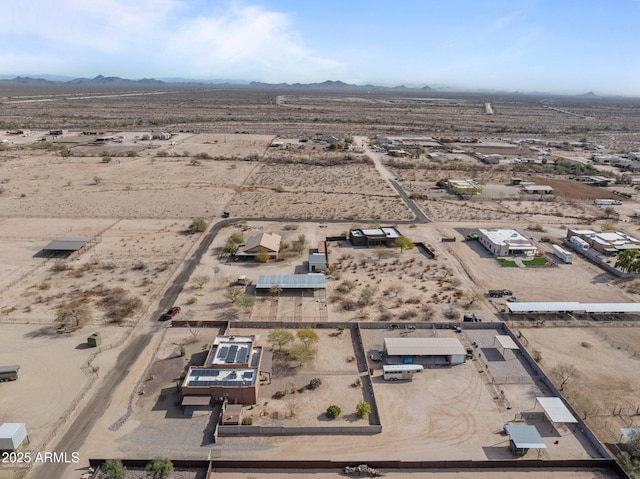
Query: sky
557 46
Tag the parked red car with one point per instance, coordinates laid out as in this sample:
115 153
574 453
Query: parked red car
171 313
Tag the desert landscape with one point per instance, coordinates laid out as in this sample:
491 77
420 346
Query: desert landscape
309 168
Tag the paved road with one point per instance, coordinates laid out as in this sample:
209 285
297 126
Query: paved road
388 176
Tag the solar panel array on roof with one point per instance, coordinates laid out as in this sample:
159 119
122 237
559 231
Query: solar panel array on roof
223 352
231 357
255 359
206 372
231 383
243 355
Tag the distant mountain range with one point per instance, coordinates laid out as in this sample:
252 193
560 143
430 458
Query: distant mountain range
100 80
117 81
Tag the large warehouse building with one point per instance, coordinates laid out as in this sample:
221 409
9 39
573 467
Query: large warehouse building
435 351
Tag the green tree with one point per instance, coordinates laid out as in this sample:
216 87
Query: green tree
628 261
631 465
302 353
363 408
333 411
113 469
74 314
280 337
233 292
231 247
201 280
297 247
403 243
236 237
245 301
198 225
315 383
262 257
160 468
308 336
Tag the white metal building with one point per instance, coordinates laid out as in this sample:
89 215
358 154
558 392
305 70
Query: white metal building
12 434
424 351
506 242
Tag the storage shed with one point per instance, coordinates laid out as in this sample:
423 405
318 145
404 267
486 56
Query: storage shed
12 434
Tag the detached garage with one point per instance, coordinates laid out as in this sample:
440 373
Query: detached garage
12 434
444 351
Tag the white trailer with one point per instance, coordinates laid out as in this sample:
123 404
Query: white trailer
606 201
395 372
579 242
564 255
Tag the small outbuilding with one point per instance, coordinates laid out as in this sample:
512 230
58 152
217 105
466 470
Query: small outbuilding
94 340
12 435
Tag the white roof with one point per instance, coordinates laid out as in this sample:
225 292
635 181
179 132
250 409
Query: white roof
506 342
525 437
574 306
503 237
11 429
556 410
423 346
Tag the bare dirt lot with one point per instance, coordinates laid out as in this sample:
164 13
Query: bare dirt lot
603 356
140 199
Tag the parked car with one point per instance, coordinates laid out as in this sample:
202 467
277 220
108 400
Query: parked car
171 313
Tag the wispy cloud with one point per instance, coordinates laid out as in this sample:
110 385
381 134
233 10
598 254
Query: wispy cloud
159 37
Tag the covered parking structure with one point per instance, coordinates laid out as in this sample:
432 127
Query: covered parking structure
556 411
310 281
506 345
573 307
63 247
523 438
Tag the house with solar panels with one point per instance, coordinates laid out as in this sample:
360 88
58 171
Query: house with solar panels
231 372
